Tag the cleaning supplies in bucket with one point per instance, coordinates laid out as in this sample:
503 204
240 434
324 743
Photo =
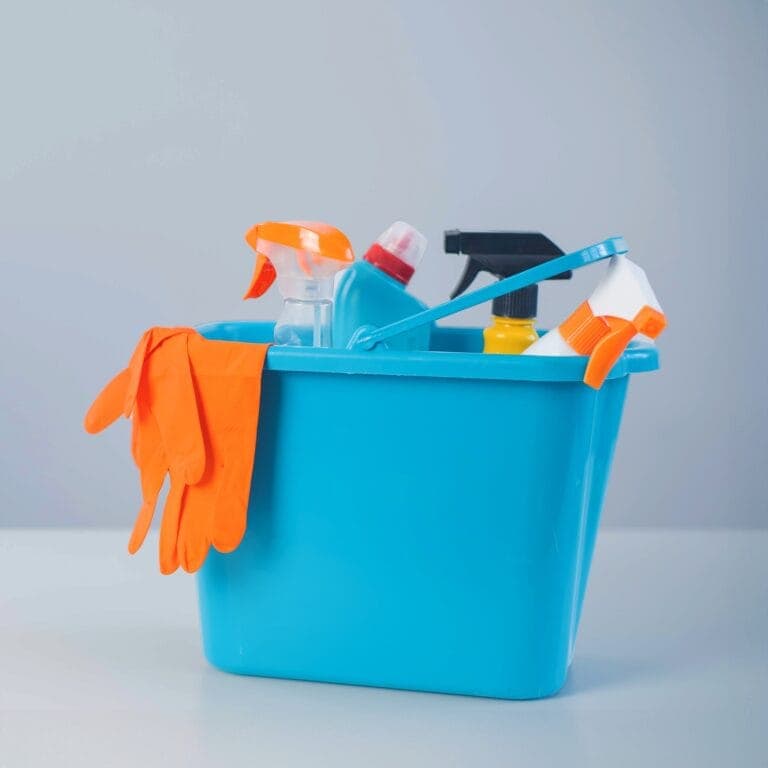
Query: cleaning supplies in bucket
304 257
195 410
503 254
369 338
419 616
372 291
417 593
622 306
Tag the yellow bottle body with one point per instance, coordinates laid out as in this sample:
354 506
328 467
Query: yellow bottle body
509 335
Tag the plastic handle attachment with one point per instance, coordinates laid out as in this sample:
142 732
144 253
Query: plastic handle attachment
368 338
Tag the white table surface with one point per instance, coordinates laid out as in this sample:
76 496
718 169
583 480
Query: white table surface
100 664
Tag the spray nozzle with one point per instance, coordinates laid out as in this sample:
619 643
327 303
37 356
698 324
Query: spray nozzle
302 250
622 306
503 254
304 257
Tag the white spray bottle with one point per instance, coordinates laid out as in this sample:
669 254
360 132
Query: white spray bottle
622 306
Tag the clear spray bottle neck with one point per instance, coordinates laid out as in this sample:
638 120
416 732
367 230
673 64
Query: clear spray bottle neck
306 317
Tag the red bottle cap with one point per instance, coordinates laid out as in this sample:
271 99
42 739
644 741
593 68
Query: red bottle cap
398 251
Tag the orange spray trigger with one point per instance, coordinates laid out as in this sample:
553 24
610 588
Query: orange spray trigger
608 350
264 275
622 306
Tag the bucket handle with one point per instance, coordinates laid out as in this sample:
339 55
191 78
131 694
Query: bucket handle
368 337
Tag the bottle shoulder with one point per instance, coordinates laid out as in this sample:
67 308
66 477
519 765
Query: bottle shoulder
362 271
373 285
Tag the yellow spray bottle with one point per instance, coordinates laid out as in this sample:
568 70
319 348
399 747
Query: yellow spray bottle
502 254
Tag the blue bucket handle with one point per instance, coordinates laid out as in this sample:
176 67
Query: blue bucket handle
368 337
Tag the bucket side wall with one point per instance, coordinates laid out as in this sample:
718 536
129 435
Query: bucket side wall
432 534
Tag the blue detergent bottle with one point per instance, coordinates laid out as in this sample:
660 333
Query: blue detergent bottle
372 291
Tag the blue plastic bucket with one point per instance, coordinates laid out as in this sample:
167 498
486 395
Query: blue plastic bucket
417 520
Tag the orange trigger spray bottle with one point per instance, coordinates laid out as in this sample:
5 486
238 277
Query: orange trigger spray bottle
304 257
622 306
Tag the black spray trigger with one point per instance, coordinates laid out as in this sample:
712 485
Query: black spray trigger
502 254
471 271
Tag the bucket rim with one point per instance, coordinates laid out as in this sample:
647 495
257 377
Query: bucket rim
639 357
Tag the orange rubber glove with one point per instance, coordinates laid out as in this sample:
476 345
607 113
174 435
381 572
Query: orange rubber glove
157 390
195 406
227 378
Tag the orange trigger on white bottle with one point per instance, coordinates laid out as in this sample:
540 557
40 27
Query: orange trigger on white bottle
622 306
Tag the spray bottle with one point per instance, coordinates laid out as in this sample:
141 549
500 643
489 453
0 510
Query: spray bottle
372 291
304 257
503 254
622 306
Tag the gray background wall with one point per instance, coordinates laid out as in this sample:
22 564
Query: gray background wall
141 139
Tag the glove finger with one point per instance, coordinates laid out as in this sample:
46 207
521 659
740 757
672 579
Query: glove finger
230 514
234 483
152 479
169 527
193 539
108 405
192 553
198 508
150 457
196 515
144 521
